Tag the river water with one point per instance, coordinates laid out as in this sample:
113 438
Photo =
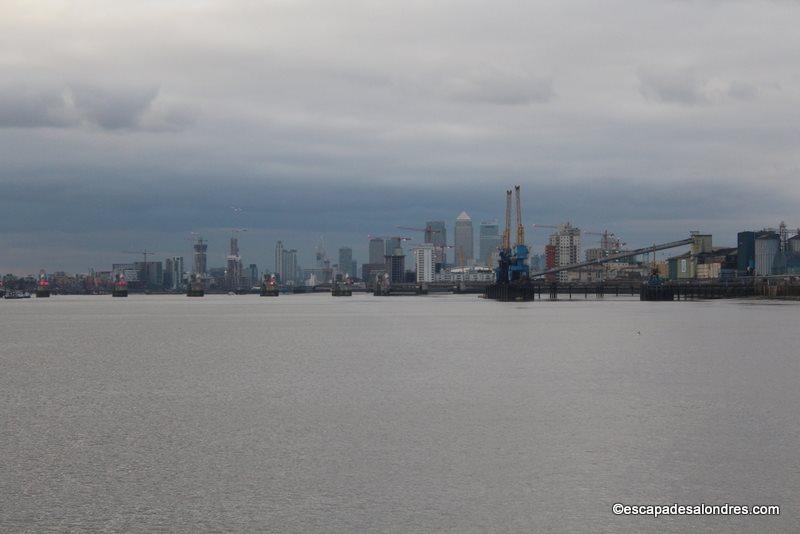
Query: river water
307 413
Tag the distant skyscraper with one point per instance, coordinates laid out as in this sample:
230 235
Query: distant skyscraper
566 243
252 274
395 261
151 273
173 273
395 266
233 271
489 242
423 260
200 248
464 240
537 262
346 261
321 255
279 262
436 233
168 268
376 250
290 267
392 244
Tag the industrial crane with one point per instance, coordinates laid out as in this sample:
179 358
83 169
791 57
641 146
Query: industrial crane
520 227
512 264
507 229
519 262
504 254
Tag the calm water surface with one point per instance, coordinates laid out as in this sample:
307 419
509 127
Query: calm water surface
308 413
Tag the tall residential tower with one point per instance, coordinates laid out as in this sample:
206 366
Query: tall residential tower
565 248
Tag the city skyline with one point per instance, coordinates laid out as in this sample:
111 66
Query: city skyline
538 238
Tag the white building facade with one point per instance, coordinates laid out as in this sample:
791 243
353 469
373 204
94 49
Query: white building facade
567 243
424 262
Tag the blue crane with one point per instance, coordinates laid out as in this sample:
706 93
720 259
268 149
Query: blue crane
512 265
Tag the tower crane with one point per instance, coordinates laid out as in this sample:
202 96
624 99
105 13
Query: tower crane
144 253
429 231
608 241
401 238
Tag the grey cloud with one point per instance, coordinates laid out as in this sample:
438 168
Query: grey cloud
113 109
742 91
22 107
74 105
673 86
685 87
491 86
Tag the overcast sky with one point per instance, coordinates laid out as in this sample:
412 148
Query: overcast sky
126 125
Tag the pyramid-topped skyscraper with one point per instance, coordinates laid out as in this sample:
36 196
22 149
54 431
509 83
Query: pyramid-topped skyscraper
464 240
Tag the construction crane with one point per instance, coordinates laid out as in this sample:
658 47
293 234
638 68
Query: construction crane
608 241
144 254
401 238
428 230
